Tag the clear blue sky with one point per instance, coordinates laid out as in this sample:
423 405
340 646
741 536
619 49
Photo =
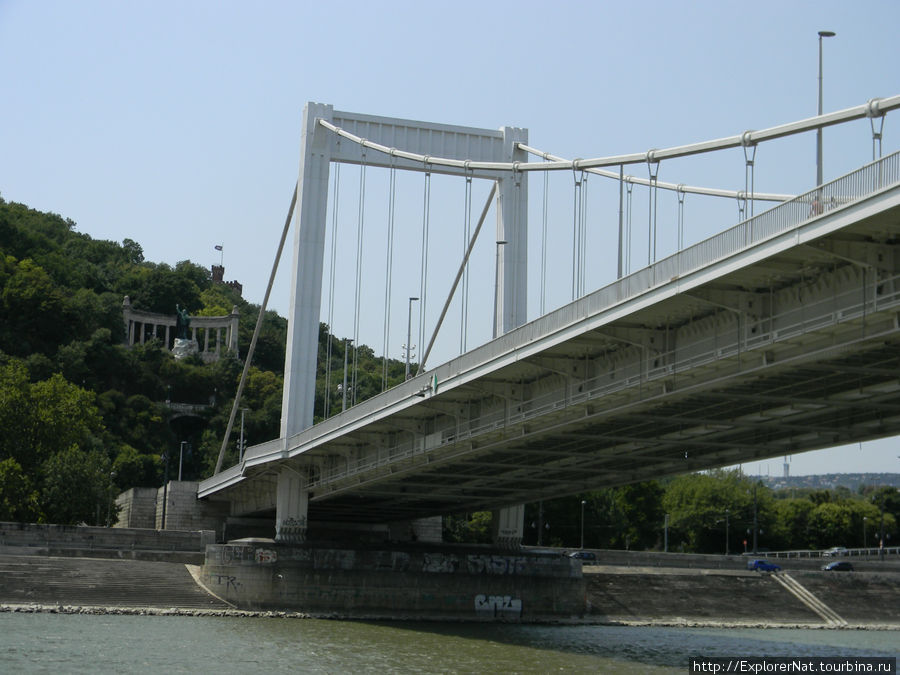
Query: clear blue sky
177 124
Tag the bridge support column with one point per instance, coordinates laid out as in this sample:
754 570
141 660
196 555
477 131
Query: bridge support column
306 281
291 508
507 525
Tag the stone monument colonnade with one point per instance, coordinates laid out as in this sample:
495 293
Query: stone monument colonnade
319 147
219 333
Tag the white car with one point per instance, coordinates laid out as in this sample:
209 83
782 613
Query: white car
834 552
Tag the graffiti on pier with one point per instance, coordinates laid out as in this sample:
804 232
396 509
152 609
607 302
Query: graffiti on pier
291 531
477 563
334 559
498 606
230 554
266 556
230 582
440 563
396 561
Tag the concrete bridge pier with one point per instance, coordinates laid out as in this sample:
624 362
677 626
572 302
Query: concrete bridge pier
291 507
507 526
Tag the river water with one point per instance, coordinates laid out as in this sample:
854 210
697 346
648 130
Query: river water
54 643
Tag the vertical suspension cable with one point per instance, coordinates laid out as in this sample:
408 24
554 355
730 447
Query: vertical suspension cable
749 179
388 275
464 295
620 259
576 238
653 170
517 187
544 243
335 193
583 244
680 192
423 281
629 201
359 250
876 137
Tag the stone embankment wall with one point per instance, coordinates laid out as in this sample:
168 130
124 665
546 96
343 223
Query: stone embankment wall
465 583
719 596
143 508
102 542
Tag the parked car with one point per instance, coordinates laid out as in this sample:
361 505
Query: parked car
583 555
838 566
762 566
835 552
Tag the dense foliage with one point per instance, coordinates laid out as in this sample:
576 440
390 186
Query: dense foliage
83 416
708 512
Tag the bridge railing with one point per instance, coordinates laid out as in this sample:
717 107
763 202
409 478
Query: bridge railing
841 307
865 181
862 182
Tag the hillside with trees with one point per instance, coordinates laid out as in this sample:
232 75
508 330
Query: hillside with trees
82 415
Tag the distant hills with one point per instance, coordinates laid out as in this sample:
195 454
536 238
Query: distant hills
830 481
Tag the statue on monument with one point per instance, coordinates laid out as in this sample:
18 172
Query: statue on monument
182 322
184 345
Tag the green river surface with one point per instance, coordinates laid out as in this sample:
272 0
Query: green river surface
74 643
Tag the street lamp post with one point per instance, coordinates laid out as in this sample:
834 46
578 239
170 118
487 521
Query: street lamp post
409 335
347 343
582 523
865 518
180 459
726 531
822 34
666 534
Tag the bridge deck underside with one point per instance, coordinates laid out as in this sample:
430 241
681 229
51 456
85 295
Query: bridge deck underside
792 352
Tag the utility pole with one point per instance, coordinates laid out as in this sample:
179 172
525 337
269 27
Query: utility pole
726 531
583 502
180 459
408 347
755 521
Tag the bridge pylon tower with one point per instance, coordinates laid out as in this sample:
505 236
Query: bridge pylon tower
319 147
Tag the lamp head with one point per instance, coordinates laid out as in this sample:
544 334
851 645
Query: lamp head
826 33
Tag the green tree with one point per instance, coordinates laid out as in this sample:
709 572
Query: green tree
78 487
697 505
17 497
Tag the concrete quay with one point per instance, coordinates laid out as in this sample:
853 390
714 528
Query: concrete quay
433 582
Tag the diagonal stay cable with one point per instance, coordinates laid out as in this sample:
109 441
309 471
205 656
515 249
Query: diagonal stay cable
259 320
462 267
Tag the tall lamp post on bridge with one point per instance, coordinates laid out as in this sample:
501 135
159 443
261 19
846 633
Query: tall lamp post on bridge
408 346
241 442
822 34
347 343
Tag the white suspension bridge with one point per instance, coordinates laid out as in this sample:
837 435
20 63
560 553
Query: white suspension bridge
775 336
